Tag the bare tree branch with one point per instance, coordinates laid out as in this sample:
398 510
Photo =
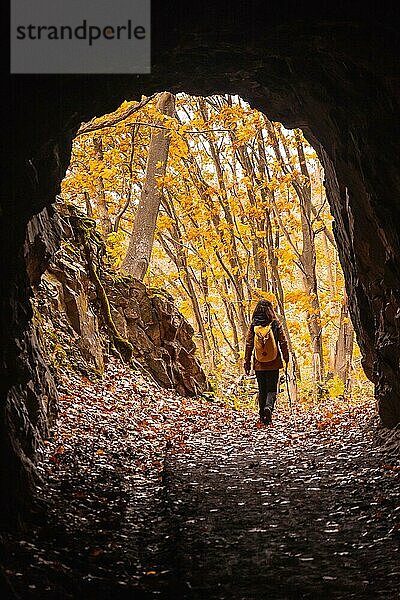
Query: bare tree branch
93 125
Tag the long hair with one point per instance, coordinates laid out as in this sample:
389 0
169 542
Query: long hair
263 313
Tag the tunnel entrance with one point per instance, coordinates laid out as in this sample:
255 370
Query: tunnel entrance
240 214
150 492
334 79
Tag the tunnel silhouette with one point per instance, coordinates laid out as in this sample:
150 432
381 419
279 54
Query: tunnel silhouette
332 74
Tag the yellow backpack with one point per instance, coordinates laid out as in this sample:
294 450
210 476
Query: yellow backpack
265 349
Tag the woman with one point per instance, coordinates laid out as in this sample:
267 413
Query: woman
267 372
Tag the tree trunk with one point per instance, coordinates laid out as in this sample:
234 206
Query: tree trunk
344 347
259 225
272 243
141 241
125 207
88 204
231 247
178 255
307 257
101 204
308 262
195 175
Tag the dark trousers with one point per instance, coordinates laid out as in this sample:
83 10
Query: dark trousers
267 389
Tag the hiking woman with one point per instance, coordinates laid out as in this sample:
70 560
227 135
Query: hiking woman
264 322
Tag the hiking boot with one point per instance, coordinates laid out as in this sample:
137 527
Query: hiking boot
267 416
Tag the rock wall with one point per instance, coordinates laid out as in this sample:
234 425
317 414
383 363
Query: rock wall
65 308
333 72
72 330
162 338
30 405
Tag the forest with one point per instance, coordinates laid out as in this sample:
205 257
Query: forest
211 201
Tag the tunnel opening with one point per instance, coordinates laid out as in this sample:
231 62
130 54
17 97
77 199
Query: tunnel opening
328 80
121 429
235 223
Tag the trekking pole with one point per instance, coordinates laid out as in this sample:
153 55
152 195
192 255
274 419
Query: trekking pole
287 388
289 396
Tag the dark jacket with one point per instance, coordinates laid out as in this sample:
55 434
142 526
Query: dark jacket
281 344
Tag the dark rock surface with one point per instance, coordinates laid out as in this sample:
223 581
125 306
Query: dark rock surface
333 72
30 406
72 330
162 338
280 516
65 308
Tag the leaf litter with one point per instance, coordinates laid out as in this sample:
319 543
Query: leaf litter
152 495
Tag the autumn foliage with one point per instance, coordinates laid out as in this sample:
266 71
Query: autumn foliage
243 216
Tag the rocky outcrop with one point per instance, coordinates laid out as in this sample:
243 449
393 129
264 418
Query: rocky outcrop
65 312
161 337
69 321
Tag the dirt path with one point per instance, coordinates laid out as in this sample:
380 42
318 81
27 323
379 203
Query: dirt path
151 496
271 515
